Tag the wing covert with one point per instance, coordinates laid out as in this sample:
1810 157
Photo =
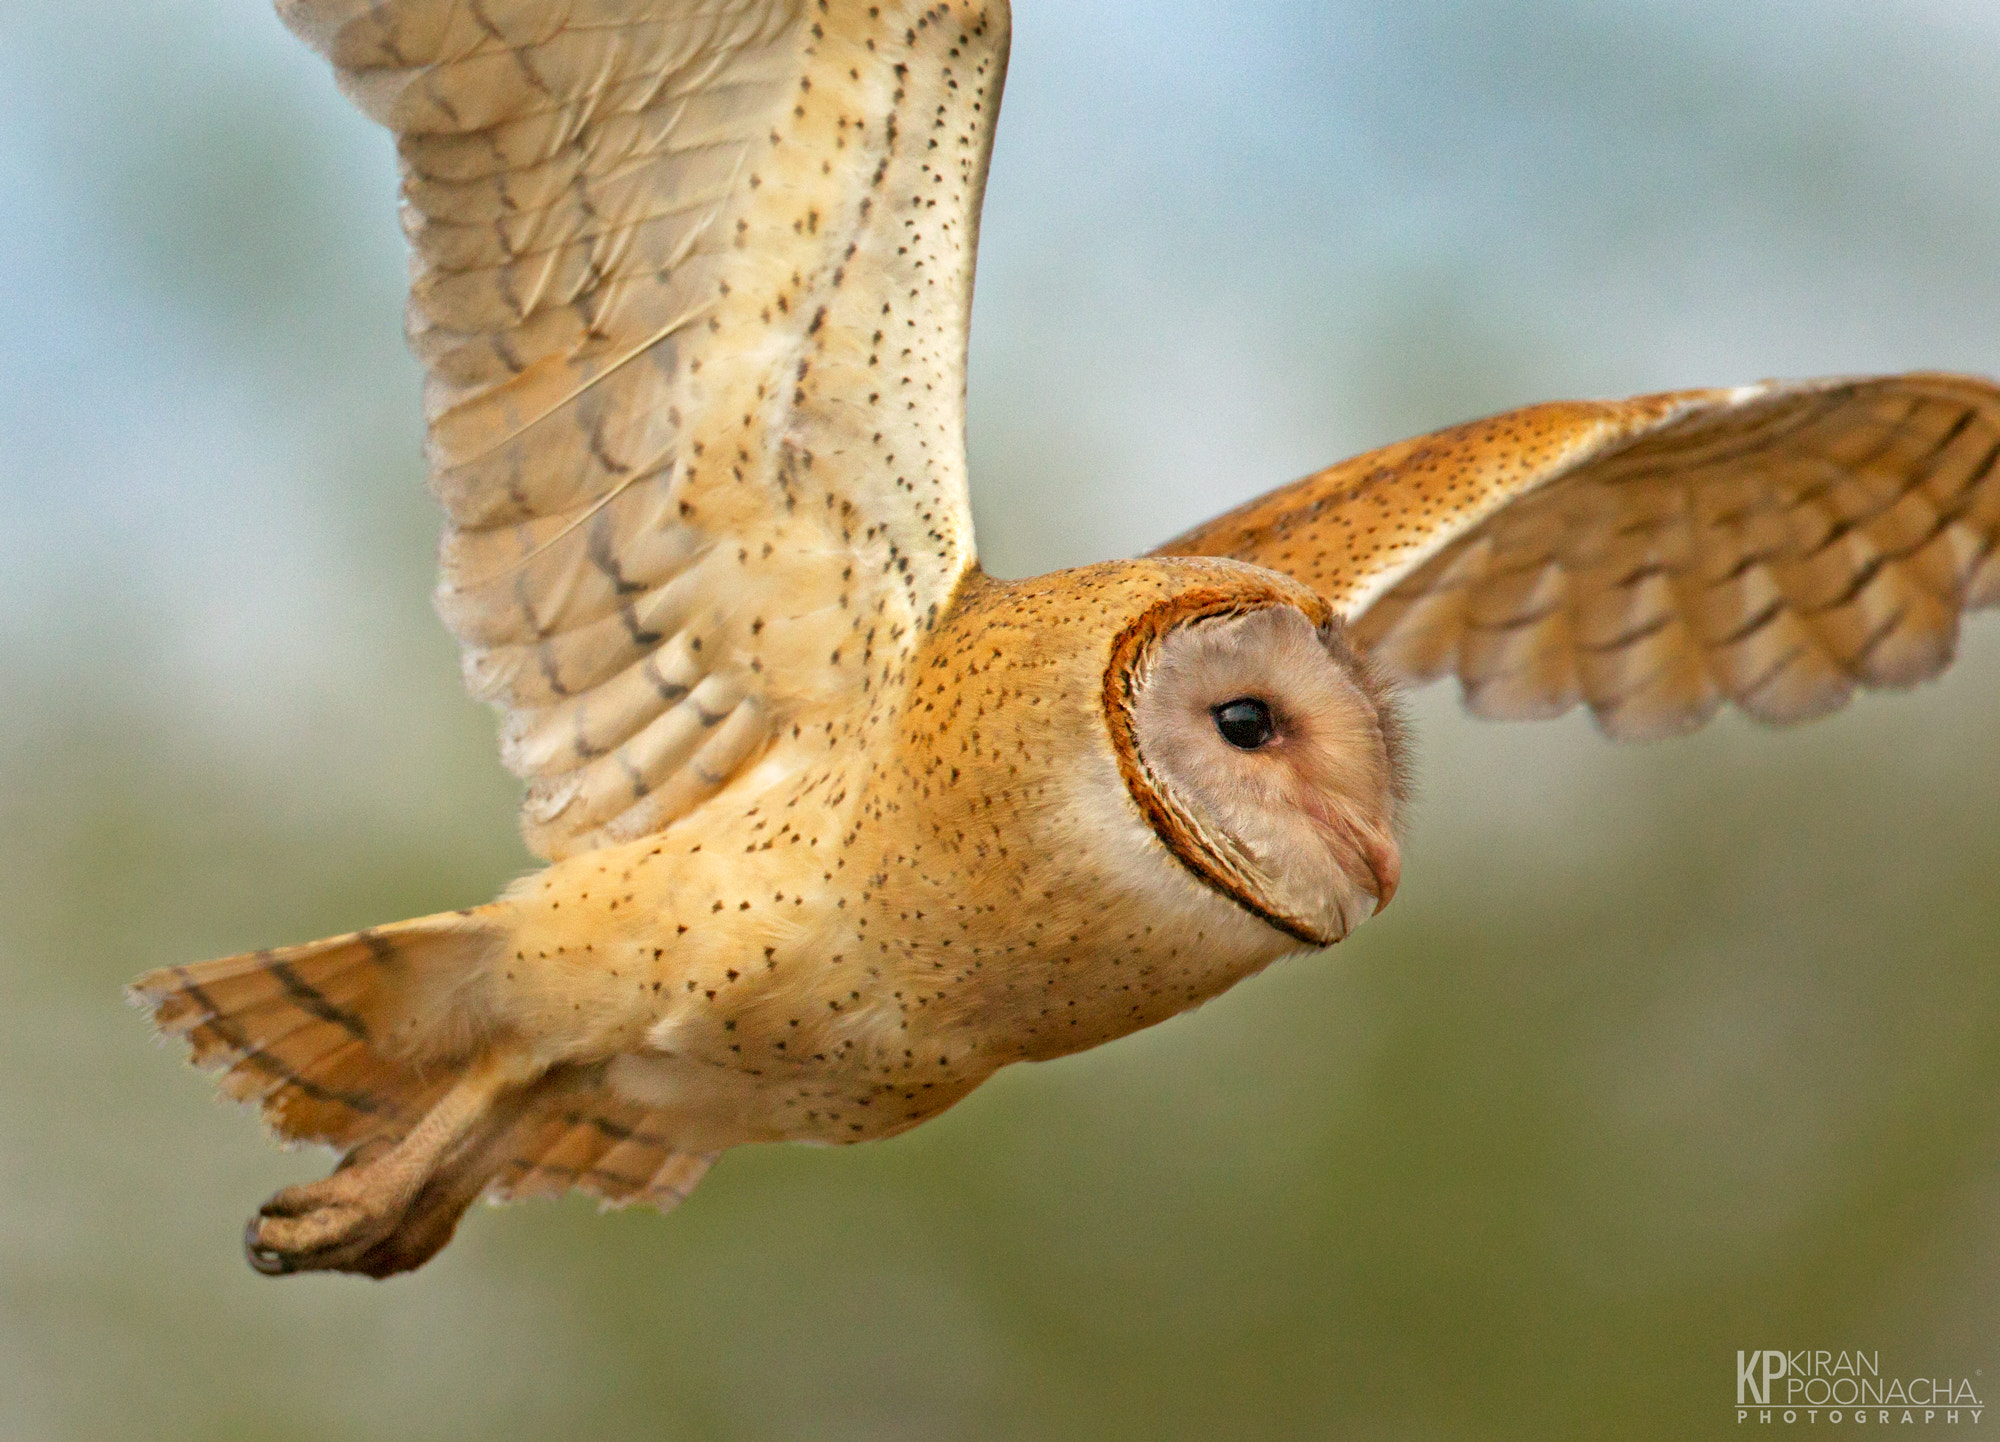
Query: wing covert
1772 545
690 282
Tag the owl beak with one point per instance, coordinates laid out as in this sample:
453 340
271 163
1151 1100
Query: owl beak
1368 858
1385 864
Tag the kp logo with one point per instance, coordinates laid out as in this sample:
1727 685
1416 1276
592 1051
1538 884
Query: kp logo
1852 1382
1755 1372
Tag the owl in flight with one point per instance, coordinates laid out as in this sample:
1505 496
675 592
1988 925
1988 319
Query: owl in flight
837 825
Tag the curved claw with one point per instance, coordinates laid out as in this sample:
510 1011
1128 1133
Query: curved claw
266 1259
390 1205
327 1226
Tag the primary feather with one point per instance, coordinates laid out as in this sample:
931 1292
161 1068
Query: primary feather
690 284
1773 545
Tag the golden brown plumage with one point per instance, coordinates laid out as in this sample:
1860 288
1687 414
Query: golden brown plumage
837 824
1773 545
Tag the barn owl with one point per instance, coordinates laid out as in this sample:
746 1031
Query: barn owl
836 824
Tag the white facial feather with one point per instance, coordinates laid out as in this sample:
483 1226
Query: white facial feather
1312 811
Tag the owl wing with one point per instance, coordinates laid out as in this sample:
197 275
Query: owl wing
690 283
1774 545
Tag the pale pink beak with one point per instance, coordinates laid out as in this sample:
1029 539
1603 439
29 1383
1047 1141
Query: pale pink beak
1385 863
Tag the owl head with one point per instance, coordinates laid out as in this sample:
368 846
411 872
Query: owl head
1266 754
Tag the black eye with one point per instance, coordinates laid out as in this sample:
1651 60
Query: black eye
1245 723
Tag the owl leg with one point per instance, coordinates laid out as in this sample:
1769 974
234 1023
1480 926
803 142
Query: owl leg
350 1221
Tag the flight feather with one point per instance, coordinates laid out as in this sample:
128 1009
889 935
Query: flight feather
1774 545
690 284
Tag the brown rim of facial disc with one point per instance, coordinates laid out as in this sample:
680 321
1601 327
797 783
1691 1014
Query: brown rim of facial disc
1211 857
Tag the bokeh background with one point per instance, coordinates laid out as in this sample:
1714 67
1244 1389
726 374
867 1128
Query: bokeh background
1662 1053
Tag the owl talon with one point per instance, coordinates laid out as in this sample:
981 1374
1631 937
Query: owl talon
268 1260
330 1225
388 1205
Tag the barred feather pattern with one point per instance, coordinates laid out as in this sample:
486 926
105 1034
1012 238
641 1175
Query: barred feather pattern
342 1041
690 283
575 1132
1775 546
319 1038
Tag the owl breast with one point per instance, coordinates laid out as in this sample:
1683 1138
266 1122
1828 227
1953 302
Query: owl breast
956 878
1033 901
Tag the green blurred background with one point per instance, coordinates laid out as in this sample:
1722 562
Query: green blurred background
1662 1053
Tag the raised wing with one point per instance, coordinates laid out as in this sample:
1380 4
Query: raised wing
690 281
1772 545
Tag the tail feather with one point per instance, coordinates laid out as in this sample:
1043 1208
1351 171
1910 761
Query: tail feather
565 1131
579 1134
339 1041
352 1040
351 1095
547 1160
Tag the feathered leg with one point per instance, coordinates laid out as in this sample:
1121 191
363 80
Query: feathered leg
350 1222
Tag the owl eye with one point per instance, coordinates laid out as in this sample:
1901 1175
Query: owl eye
1245 723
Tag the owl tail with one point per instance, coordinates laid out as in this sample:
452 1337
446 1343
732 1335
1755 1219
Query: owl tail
338 1041
376 1043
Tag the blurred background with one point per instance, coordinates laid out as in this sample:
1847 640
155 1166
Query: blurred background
1663 1053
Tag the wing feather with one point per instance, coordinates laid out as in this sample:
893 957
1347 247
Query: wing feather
1774 546
690 282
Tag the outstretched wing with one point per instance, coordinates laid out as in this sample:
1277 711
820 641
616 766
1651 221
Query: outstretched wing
690 283
1773 545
